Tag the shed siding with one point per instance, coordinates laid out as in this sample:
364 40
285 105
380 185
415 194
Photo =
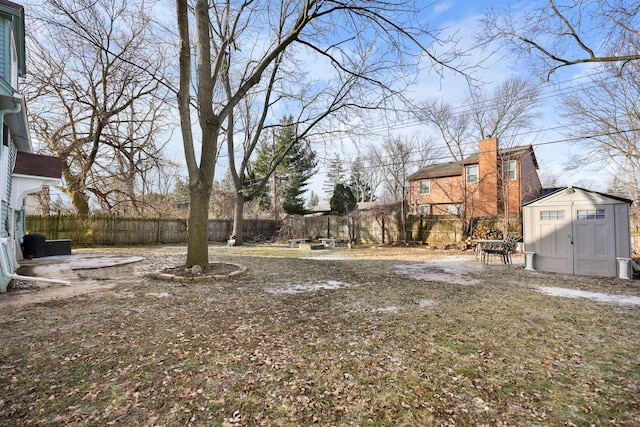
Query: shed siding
623 228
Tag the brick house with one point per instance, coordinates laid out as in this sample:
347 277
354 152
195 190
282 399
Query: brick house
490 182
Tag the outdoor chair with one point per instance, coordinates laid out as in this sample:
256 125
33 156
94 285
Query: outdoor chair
502 249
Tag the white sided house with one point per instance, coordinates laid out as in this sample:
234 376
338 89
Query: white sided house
21 171
578 231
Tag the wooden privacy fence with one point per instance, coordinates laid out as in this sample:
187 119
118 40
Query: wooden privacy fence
439 231
98 230
635 232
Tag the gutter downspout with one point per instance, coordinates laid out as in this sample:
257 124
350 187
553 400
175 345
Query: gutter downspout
7 273
16 109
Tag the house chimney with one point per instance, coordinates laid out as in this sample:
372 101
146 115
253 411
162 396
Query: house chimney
488 171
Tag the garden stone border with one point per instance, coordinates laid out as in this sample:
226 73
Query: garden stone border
199 279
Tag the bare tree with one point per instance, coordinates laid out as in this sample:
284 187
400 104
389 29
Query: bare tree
368 47
95 98
454 126
502 113
562 34
606 114
396 159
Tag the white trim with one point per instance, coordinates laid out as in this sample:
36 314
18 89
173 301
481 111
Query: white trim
27 184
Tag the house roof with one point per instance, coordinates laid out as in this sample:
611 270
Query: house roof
455 168
38 165
505 152
30 173
438 171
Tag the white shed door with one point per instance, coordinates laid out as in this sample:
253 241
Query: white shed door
578 239
554 251
594 240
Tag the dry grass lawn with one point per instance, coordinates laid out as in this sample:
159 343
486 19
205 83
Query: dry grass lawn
363 337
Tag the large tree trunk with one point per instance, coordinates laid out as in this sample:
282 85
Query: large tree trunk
78 198
238 219
198 241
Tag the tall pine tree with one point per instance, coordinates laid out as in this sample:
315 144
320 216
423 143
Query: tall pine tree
295 167
335 175
358 182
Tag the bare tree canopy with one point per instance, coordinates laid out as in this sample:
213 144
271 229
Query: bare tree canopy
317 60
502 113
607 112
95 98
558 34
396 159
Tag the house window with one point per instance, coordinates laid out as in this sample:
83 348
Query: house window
509 172
591 214
455 210
552 215
425 186
472 174
425 209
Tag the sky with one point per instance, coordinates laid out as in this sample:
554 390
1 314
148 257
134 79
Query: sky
552 149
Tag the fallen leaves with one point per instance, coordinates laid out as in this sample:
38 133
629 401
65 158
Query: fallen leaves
233 354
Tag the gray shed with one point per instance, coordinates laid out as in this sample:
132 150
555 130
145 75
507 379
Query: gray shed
578 231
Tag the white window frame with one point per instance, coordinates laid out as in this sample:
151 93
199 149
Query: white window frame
427 184
425 209
510 169
593 214
552 215
472 178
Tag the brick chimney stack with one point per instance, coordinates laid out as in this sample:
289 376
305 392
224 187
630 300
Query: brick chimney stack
488 174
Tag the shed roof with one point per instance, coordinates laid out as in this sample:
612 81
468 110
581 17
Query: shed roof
561 192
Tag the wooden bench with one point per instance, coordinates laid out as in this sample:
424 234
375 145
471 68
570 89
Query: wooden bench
295 243
328 243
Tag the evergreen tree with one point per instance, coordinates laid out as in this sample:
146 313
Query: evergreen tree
314 200
335 175
180 193
295 167
358 183
301 164
343 200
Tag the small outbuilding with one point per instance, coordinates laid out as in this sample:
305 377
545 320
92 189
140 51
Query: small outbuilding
578 231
